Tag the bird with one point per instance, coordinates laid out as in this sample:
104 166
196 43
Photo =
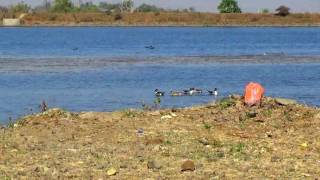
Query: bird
192 91
158 93
150 47
176 93
214 92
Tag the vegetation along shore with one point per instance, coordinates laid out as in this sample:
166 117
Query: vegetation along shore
65 13
226 139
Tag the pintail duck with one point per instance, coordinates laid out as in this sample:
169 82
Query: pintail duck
214 92
193 91
176 93
150 47
158 93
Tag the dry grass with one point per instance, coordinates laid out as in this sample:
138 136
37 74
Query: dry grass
224 142
172 18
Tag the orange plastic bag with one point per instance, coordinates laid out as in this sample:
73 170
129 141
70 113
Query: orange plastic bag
253 94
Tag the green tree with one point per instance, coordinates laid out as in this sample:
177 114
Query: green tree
265 11
127 6
283 11
20 8
108 7
89 7
148 8
229 6
62 6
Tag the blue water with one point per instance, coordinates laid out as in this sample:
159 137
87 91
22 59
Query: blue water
125 41
52 64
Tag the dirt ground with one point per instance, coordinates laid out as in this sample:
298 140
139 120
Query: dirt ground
226 140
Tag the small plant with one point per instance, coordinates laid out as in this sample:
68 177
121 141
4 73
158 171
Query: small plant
216 143
146 107
129 113
10 123
157 103
238 151
167 142
207 126
237 148
267 113
226 102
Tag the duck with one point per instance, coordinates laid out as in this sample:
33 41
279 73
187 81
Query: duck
193 91
158 93
177 93
214 92
150 47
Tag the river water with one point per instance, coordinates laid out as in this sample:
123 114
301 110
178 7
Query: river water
111 68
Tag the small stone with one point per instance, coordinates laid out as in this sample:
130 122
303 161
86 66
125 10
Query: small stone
153 164
251 114
285 102
304 145
173 114
204 141
123 166
188 165
140 132
155 113
236 96
154 141
166 117
112 172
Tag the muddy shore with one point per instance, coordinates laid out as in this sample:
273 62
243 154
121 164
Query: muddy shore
224 140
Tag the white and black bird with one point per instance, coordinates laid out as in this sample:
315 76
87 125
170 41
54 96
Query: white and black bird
214 92
158 93
192 91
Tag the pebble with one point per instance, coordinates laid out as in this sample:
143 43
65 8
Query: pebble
204 141
155 113
112 172
166 117
251 114
140 132
153 164
285 102
188 165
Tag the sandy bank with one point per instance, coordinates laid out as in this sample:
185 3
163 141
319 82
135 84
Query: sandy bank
224 140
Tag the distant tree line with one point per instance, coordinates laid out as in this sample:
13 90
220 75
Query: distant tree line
65 6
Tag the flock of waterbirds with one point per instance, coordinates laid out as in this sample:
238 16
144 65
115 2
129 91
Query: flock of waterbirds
188 92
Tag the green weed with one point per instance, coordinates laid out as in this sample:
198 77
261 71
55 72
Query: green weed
226 102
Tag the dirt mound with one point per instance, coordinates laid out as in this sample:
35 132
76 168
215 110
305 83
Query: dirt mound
223 140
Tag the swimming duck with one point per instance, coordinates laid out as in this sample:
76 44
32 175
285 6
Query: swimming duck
150 47
158 93
193 91
176 93
214 92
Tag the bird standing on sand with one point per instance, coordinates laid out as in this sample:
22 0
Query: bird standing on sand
214 92
158 93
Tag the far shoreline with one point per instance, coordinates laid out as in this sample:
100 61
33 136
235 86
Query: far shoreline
161 26
166 19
